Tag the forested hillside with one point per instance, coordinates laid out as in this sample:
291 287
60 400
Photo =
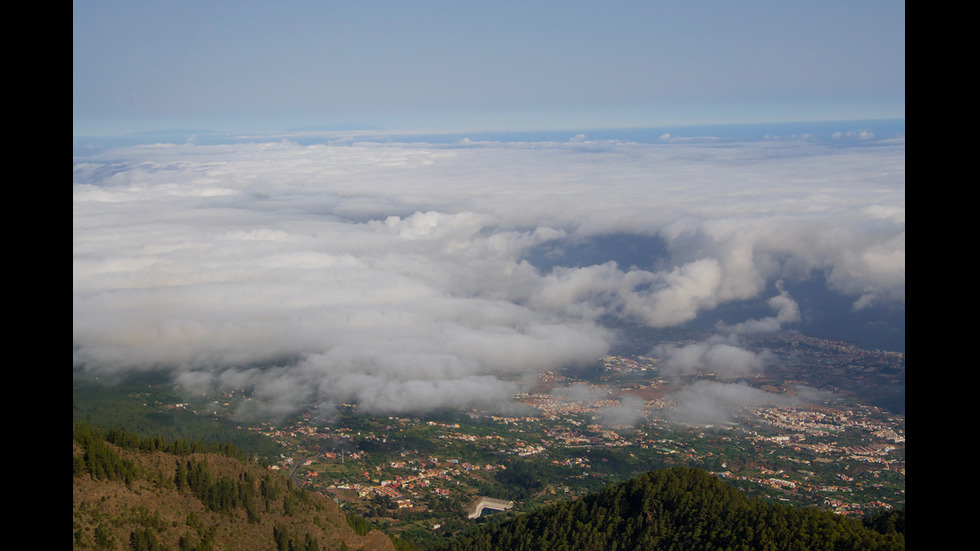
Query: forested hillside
677 508
139 493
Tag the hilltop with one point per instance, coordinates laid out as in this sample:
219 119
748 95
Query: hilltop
143 493
676 508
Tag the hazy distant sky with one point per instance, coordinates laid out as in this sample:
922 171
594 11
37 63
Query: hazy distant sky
243 65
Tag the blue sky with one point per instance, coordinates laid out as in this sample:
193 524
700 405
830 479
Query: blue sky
266 66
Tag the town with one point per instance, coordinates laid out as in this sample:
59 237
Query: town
424 475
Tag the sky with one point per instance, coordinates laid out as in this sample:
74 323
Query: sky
409 258
261 66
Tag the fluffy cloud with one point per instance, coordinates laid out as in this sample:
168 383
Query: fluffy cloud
627 413
726 360
787 311
396 275
714 403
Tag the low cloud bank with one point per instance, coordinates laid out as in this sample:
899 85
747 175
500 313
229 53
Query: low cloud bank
395 276
714 403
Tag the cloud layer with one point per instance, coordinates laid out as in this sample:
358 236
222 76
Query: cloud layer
396 275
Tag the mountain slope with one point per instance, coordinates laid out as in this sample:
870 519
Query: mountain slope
124 497
677 508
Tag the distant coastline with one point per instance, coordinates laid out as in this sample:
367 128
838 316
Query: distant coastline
848 132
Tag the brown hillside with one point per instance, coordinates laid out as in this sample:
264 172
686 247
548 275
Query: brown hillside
108 514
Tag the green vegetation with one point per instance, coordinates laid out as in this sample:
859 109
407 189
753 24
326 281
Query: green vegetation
887 522
98 458
360 525
150 493
676 508
147 404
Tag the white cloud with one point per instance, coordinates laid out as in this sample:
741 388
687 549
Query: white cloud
713 403
787 311
719 356
626 413
394 274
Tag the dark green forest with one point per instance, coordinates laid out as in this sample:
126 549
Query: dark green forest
682 508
